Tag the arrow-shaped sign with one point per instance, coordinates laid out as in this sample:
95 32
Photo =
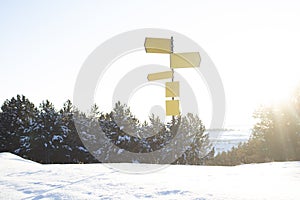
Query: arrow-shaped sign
158 45
159 75
184 60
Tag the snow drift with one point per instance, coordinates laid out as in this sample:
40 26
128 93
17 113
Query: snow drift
23 179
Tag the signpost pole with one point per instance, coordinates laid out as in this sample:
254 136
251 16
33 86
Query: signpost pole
177 60
172 51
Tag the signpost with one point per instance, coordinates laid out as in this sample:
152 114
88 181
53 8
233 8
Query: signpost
185 60
160 75
172 107
158 45
177 60
172 89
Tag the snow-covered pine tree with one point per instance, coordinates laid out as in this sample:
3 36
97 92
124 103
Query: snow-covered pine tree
18 119
72 147
46 135
199 148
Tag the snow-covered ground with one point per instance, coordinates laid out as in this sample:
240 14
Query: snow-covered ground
23 179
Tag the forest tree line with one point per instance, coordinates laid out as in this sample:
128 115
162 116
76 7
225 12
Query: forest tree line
275 136
47 135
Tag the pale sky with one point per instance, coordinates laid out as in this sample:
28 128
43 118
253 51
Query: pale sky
255 45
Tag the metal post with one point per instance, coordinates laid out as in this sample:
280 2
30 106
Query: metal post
172 51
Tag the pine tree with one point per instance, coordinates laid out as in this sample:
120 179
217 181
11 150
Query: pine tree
275 136
72 148
198 148
18 119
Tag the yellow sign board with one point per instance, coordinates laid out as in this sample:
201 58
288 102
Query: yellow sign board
158 45
172 89
172 107
184 60
159 75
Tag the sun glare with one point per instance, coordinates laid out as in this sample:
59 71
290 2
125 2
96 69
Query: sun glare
277 89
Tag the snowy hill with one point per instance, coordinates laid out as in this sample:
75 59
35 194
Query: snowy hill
22 179
224 140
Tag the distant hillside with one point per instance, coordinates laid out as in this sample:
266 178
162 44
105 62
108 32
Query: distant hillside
225 139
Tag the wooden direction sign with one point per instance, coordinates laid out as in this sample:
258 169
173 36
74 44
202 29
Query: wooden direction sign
172 89
177 60
158 45
172 107
184 60
159 75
